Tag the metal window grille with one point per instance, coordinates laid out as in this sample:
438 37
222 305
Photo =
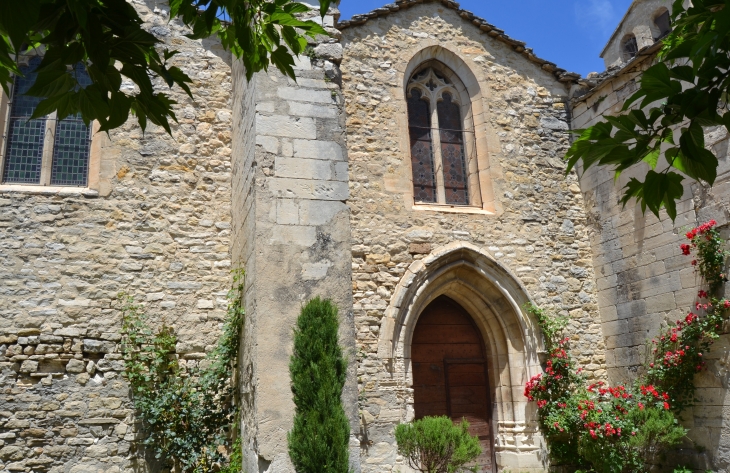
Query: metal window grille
438 139
24 148
72 145
419 121
453 152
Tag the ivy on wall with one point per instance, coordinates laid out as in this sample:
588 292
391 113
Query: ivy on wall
186 412
628 428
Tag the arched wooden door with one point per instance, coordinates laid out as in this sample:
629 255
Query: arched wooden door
450 372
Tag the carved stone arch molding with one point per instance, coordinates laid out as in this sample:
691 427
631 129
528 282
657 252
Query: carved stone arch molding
494 298
472 82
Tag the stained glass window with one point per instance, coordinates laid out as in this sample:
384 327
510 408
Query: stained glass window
72 145
24 149
452 151
419 127
440 174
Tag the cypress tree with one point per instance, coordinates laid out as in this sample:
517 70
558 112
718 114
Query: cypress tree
319 441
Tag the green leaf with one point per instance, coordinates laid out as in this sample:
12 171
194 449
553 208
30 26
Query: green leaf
696 134
658 84
631 100
698 163
685 73
92 105
17 19
293 8
285 19
292 39
662 190
79 9
181 79
51 84
58 103
324 6
284 61
652 158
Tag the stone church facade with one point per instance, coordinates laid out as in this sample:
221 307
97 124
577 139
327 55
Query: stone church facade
413 174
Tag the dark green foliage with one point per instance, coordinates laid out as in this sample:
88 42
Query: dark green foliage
107 36
656 431
235 462
319 441
686 91
659 431
436 445
552 326
186 414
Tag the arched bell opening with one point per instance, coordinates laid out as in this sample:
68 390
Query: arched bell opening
450 372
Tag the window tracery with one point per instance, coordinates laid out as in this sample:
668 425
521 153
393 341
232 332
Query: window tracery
437 133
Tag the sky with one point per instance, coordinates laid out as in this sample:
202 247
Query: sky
570 33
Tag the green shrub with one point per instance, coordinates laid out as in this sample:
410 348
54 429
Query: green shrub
436 445
319 441
186 411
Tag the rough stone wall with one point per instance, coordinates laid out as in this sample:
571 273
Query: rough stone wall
290 209
242 244
643 279
539 230
639 21
162 235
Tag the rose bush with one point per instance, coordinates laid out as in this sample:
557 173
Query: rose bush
622 429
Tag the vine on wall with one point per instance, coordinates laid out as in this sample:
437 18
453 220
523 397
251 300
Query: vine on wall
626 428
186 412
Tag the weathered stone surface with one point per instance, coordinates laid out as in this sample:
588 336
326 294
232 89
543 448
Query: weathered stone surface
329 51
291 231
159 230
75 366
419 248
309 184
645 282
98 346
29 366
518 220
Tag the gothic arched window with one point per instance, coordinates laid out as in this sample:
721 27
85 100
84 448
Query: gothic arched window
438 136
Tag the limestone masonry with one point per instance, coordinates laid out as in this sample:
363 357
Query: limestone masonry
350 184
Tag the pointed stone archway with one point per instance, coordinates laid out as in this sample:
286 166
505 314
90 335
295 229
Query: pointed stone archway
493 297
